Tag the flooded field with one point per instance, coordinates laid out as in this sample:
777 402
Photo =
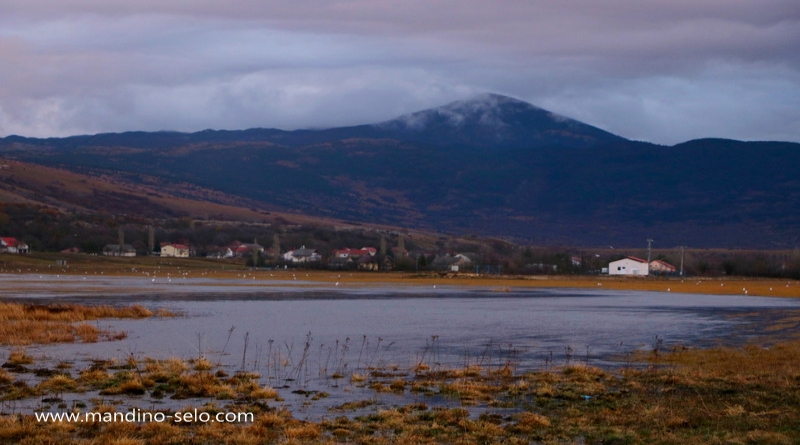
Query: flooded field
305 338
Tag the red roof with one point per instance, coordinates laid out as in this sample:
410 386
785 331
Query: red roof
664 264
10 242
356 252
637 259
179 246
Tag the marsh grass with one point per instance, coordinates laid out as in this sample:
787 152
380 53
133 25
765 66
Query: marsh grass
25 324
720 395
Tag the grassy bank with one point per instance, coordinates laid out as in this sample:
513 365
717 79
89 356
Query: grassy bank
731 396
24 324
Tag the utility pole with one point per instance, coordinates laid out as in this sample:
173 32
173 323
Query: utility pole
151 240
683 248
649 242
254 253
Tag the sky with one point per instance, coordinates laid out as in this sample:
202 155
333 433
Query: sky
661 71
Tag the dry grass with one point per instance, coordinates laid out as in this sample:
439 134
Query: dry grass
722 395
25 324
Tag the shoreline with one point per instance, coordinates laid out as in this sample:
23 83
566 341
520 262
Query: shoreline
86 265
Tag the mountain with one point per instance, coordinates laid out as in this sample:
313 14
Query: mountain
491 165
494 121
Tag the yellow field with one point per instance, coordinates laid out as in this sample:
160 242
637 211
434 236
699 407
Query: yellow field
80 264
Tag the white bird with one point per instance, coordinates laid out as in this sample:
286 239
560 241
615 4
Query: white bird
668 289
337 283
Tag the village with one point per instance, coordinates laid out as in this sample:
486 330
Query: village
362 259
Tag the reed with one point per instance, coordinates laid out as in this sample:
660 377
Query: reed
25 324
720 395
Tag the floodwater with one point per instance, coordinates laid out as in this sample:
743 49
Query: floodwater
297 334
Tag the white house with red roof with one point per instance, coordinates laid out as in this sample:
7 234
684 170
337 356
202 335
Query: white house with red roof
12 245
354 253
175 250
629 266
238 249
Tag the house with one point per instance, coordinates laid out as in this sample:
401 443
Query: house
302 255
355 253
368 262
239 249
388 264
662 267
398 252
452 263
175 250
628 266
216 254
125 250
341 263
12 245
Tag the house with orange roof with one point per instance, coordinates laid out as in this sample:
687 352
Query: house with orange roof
661 267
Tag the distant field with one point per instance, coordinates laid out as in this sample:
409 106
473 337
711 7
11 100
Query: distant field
87 264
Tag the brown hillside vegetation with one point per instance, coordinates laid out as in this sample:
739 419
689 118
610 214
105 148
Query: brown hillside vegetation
148 196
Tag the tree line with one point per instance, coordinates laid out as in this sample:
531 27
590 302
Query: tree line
49 230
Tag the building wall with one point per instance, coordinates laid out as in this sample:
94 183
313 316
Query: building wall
172 251
627 266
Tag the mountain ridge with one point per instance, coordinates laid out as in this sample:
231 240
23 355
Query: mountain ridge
491 165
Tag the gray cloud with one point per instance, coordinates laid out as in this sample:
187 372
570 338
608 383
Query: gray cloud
658 71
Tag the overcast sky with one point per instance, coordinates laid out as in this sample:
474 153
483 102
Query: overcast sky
663 71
